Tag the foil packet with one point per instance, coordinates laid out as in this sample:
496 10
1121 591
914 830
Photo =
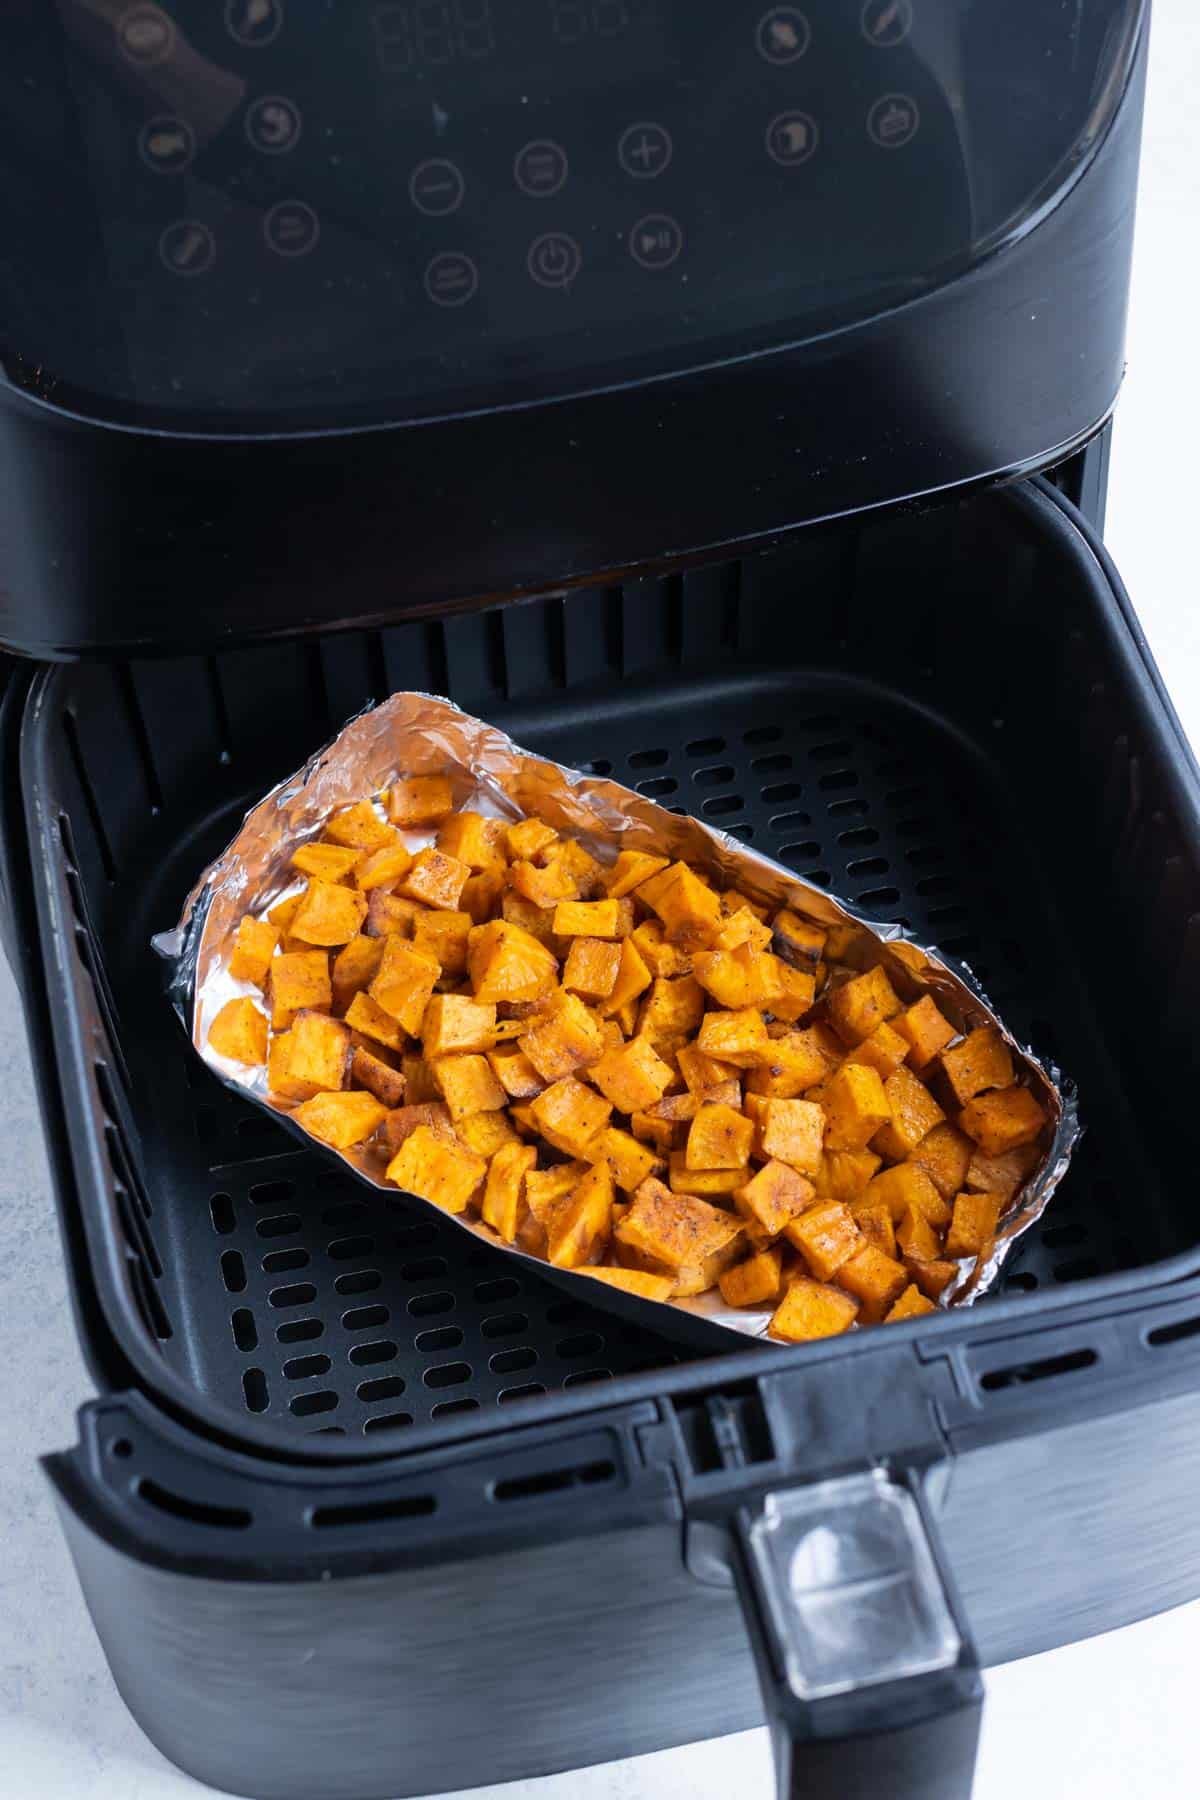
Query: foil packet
419 734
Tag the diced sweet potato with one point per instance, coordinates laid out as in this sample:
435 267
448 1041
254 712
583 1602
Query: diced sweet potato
933 1277
328 914
538 921
983 1060
885 1050
773 1197
660 957
629 1161
793 1131
743 927
566 1037
319 1050
826 1237
279 1080
844 1174
855 1107
688 907
631 868
239 1032
507 963
700 1071
380 868
591 967
455 1023
529 839
677 1235
875 1280
421 800
446 1174
485 1132
914 1111
795 992
443 936
580 1228
719 1138
756 1282
366 1015
546 1189
973 1224
404 1120
664 1134
582 866
944 1154
633 1077
253 949
1001 1174
379 1078
543 886
925 1030
1002 1120
672 1005
481 894
797 940
634 1281
874 1220
467 1085
390 915
707 1184
284 911
504 1194
912 1304
354 968
735 1037
360 827
419 1080
810 1310
341 1119
737 978
795 1063
569 1115
404 983
514 1071
436 880
916 1236
332 863
298 978
470 838
859 1005
632 979
908 1185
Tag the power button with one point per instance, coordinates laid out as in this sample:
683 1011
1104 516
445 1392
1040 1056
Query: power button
554 260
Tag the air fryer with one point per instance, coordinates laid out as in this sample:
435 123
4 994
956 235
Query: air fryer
715 396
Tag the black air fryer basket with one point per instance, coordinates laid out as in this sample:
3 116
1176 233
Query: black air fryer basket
364 1508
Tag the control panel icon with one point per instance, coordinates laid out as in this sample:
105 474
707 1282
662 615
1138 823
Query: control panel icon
273 124
554 260
291 228
436 187
451 279
253 22
145 35
886 22
166 145
792 137
656 241
783 35
644 151
540 169
187 247
893 121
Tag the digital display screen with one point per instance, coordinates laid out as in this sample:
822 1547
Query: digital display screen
301 212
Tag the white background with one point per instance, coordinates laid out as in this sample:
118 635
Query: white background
1115 1718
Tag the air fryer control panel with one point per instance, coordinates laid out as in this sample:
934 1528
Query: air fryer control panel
330 210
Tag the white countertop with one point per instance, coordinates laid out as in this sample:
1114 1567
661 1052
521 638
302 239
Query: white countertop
1113 1718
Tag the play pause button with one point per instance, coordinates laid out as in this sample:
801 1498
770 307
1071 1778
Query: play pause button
656 240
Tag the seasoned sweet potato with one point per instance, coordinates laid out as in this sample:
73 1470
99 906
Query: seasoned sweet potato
421 800
912 1304
239 1031
856 1106
504 1195
859 1005
793 1131
812 1309
319 1050
635 1281
756 1282
875 1280
674 1234
973 1224
454 1023
773 1197
436 880
298 978
826 1237
341 1119
446 1174
506 963
253 950
1003 1120
981 1061
443 937
925 1029
569 1115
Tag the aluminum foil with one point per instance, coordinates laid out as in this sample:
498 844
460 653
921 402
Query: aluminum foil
419 734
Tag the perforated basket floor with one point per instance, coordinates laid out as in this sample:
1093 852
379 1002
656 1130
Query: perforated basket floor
278 1284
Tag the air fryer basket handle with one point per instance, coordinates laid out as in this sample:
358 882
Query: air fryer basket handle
869 1681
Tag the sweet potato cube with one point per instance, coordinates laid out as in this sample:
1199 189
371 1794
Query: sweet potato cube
380 868
403 1121
632 978
454 1023
633 1077
354 968
279 1080
284 911
378 1077
855 1107
1002 1120
629 1162
485 1132
736 978
738 1037
795 992
793 1132
546 1189
1001 1174
580 1228
446 1174
506 963
467 1085
421 800
719 1138
436 880
634 1281
925 1029
908 1185
419 1079
569 1115
688 907
797 940
404 983
700 1071
366 1015
671 1006
331 863
973 1224
514 1071
677 1235
708 1184
795 1063
319 1050
579 863
756 1282
328 914
504 1194
253 948
773 1197
442 936
859 1005
341 1119
661 958
914 1111
912 1304
591 967
481 894
299 978
543 886
529 839
360 827
470 838
875 1280
564 1038
885 1050
390 915
844 1174
631 868
874 1220
983 1060
945 1155
586 918
810 1310
538 921
826 1237
916 1236
932 1277
239 1032
743 927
